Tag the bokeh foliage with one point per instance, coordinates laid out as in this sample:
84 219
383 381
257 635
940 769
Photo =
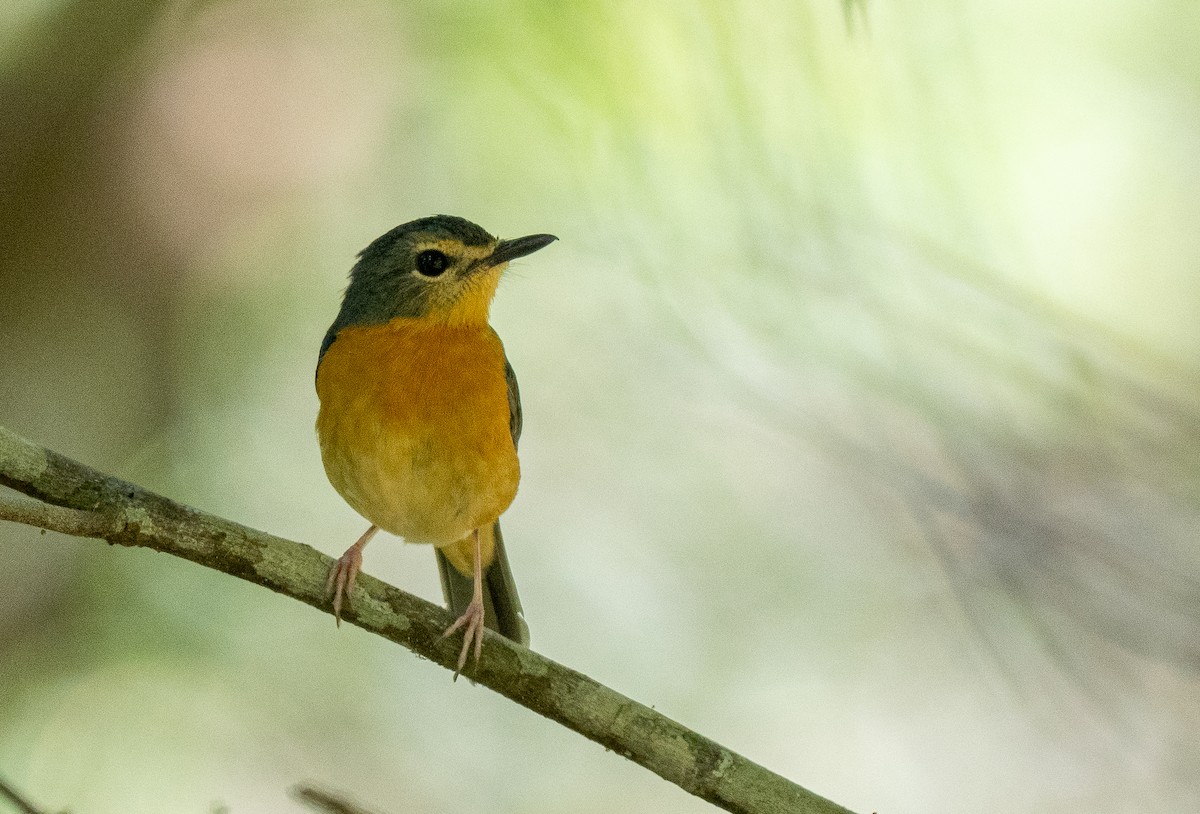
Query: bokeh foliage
861 404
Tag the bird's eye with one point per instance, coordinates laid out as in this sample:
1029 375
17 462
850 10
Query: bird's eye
431 263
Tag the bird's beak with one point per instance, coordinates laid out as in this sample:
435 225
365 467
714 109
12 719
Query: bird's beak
517 247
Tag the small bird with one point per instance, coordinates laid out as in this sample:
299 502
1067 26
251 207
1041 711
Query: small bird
420 413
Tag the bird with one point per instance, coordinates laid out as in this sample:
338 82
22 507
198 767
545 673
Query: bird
420 414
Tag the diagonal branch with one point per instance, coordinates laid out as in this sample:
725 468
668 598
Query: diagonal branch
19 803
324 801
125 514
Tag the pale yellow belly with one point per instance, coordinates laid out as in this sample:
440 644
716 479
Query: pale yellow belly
407 486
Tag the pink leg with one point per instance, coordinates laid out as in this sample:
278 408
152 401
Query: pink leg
472 617
345 571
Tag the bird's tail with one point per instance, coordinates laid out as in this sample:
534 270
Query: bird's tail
501 605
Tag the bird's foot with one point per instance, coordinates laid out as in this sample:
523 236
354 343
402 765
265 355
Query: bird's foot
345 571
472 623
341 579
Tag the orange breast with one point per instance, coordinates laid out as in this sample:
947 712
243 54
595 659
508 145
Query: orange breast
414 427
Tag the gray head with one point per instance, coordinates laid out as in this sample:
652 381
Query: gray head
441 268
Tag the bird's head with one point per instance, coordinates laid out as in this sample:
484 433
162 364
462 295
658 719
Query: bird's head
441 268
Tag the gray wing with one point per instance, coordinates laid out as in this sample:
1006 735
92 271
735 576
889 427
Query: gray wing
514 403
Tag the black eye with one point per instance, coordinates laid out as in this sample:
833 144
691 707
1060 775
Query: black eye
431 263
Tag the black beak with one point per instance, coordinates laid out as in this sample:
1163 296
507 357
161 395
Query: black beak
518 247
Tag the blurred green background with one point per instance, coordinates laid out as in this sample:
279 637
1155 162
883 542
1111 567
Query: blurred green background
861 405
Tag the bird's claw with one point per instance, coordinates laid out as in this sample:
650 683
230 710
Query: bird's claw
341 580
472 623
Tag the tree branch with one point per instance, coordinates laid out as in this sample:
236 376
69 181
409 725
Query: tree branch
22 805
56 518
326 802
129 515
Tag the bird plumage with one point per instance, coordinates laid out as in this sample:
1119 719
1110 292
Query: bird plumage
420 413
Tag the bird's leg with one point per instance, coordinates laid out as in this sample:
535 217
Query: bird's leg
472 617
345 571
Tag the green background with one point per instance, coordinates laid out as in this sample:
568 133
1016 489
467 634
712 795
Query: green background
861 406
